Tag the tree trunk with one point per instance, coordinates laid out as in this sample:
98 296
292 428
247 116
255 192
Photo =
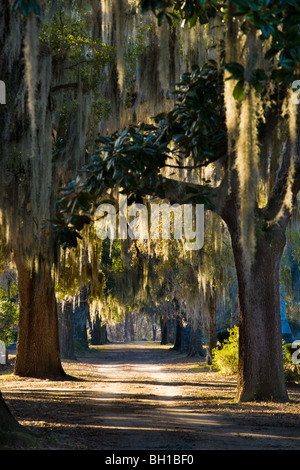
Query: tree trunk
65 322
164 330
38 352
95 329
103 335
185 338
154 329
7 422
212 328
81 316
12 433
126 328
178 333
131 327
195 346
171 330
261 375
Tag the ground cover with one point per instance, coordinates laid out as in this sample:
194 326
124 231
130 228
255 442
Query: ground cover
144 396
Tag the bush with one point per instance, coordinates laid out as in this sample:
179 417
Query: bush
291 370
9 314
226 358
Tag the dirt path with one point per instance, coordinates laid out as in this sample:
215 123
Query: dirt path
144 396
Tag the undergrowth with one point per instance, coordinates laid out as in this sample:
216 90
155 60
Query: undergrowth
226 357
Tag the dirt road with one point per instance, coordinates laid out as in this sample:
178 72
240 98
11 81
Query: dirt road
145 396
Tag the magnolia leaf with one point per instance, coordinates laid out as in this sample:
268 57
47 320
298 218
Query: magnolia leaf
239 91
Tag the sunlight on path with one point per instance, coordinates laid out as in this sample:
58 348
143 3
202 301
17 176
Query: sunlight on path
144 380
144 393
144 396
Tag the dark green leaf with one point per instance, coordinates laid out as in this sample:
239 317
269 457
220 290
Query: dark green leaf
237 70
239 91
84 204
271 53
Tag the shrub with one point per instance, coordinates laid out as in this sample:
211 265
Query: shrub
9 314
291 370
226 358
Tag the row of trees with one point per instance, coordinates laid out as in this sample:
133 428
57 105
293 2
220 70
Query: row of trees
228 139
236 118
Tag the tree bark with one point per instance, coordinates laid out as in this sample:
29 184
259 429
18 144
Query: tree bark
66 338
154 329
126 327
38 353
103 335
131 328
7 421
261 375
195 346
212 328
178 333
185 338
81 315
164 330
13 433
95 328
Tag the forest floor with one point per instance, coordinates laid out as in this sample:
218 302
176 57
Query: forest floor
144 396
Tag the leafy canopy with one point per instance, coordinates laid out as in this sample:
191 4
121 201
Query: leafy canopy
132 159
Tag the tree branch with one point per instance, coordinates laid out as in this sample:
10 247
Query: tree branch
181 192
63 86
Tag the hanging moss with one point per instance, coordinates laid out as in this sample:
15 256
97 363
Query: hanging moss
292 112
247 165
31 50
142 86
